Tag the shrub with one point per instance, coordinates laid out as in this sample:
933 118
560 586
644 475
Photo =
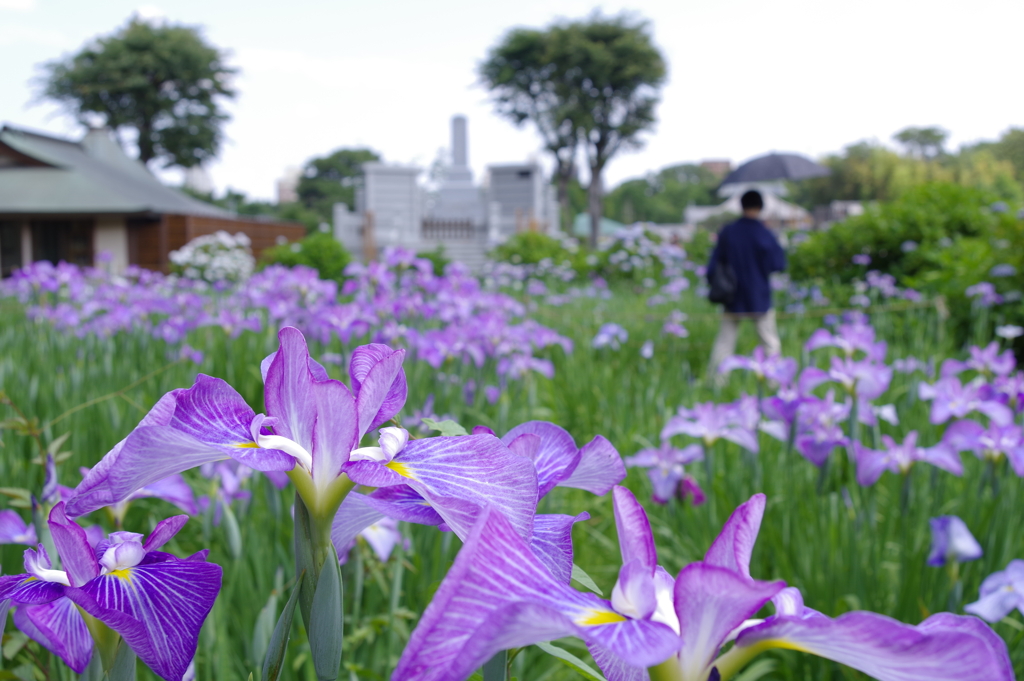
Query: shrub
319 250
898 236
214 258
529 248
939 239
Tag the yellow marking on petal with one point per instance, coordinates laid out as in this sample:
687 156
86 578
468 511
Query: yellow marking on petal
595 617
123 573
400 468
785 644
246 445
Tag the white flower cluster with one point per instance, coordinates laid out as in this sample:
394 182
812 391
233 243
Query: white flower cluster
215 257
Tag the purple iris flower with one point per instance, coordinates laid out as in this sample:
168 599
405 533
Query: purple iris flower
450 477
900 458
783 405
312 430
427 412
610 335
173 489
154 600
987 360
988 444
13 529
849 337
673 325
1010 390
820 427
952 399
909 365
498 595
775 368
595 467
227 479
866 379
542 454
984 294
538 456
382 536
711 422
952 541
665 468
1001 593
314 424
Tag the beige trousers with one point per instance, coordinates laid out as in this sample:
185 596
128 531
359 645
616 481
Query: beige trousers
725 343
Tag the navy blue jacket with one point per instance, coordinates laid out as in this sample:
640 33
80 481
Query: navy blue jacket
754 253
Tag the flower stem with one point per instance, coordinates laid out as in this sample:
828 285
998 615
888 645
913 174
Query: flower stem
105 638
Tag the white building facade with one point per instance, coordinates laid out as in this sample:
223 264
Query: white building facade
466 219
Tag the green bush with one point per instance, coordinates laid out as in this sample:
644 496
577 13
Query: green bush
938 239
698 249
899 236
529 248
319 250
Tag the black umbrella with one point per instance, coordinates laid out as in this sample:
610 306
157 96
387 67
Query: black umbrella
776 167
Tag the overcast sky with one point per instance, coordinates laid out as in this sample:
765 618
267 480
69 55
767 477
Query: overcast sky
745 76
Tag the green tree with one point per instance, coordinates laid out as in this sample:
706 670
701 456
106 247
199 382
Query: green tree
922 142
522 75
162 81
865 171
331 179
591 82
662 197
611 69
1010 147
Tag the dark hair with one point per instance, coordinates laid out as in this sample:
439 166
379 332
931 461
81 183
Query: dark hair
752 199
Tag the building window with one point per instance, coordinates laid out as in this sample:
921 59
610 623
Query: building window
63 240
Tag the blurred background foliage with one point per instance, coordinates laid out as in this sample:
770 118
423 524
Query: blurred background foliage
319 250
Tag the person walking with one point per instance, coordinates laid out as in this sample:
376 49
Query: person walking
752 252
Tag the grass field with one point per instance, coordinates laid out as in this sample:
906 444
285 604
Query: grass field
846 547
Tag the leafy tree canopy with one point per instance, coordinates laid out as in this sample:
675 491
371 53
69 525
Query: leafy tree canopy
867 171
1009 147
331 179
164 82
522 74
611 68
922 142
591 82
662 197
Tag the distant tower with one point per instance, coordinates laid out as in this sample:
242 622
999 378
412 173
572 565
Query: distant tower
460 153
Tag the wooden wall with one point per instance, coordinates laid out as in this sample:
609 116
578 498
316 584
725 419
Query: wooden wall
150 242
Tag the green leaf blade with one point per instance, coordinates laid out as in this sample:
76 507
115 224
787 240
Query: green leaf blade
274 659
571 661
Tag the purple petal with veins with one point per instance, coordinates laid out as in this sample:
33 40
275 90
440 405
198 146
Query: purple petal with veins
58 627
944 647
